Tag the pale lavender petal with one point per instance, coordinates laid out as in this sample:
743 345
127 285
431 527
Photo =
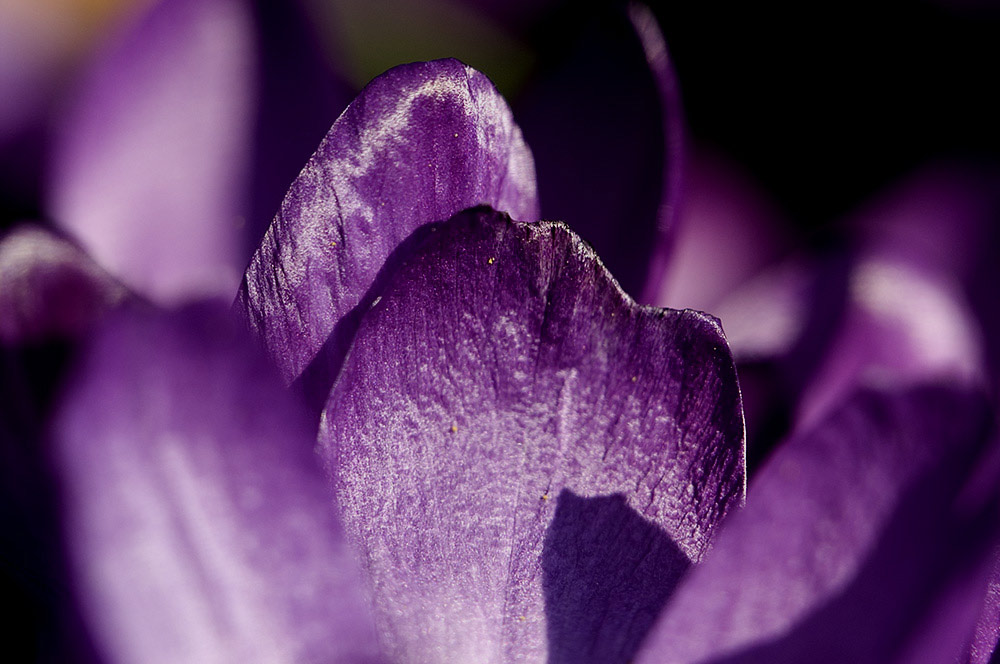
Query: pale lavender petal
903 325
727 232
49 288
780 325
528 459
851 533
197 517
149 171
422 142
937 219
908 318
604 122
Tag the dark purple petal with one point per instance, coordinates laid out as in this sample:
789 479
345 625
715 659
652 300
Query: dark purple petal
49 288
852 534
987 631
528 459
422 142
604 123
298 100
149 170
197 516
674 150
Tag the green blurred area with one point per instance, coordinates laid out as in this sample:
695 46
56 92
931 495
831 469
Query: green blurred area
367 37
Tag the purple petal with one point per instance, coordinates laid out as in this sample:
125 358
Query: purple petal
528 459
49 288
727 231
605 126
299 97
902 326
421 142
851 535
780 325
148 173
987 631
197 517
937 219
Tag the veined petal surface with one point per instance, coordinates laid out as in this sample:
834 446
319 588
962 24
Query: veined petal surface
421 143
527 459
197 517
149 170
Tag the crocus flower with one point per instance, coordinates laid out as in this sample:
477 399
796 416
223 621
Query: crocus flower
516 461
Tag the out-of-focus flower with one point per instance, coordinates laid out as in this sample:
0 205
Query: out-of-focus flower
523 464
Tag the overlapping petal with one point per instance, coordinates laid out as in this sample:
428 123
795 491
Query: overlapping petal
528 460
149 169
421 142
853 534
198 520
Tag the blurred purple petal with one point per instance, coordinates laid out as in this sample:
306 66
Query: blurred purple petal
605 126
49 288
528 459
780 325
852 534
727 231
197 517
901 327
907 318
148 172
421 142
937 219
33 41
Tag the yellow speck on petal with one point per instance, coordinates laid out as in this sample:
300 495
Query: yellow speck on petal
490 261
635 378
333 244
545 496
454 428
456 134
522 618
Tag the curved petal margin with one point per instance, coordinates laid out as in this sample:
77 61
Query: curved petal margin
197 517
422 142
853 534
528 459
